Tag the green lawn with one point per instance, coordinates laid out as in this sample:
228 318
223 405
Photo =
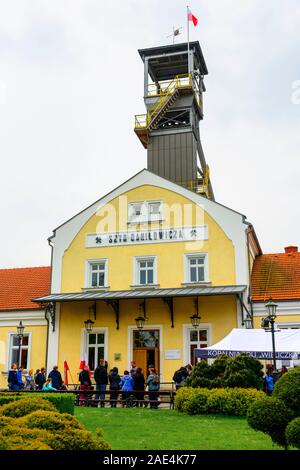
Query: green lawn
134 429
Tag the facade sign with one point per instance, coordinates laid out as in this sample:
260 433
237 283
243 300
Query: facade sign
172 354
140 237
268 355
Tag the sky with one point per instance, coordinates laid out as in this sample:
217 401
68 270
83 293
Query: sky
71 81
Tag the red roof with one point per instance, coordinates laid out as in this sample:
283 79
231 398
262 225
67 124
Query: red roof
276 276
18 286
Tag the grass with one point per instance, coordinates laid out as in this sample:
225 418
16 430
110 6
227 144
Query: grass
145 429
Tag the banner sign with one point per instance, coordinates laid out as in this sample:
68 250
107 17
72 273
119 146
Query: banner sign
140 237
268 355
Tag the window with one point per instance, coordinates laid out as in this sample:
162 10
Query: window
145 271
197 339
196 268
14 350
154 211
145 211
135 212
96 347
97 274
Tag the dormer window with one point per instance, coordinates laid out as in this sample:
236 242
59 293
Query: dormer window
144 212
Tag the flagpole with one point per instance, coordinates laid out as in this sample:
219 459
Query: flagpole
188 38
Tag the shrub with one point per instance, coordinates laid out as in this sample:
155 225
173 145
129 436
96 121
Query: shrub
5 420
292 433
241 371
287 388
182 395
50 421
76 439
230 401
270 416
20 438
63 402
25 406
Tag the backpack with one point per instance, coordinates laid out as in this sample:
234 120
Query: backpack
177 377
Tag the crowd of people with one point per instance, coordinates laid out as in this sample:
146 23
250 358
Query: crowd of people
133 384
35 381
130 386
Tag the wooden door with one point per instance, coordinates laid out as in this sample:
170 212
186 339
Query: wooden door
140 358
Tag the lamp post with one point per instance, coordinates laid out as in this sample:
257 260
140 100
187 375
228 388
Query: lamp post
20 330
268 324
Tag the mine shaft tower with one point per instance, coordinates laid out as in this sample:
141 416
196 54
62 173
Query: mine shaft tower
174 107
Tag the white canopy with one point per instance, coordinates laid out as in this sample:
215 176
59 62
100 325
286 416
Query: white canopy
256 342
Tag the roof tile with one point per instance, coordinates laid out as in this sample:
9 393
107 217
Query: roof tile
276 275
18 286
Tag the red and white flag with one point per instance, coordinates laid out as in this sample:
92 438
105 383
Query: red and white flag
192 17
84 362
66 369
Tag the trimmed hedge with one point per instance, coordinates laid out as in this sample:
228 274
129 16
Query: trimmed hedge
271 416
228 401
19 408
292 433
287 389
63 402
44 430
50 421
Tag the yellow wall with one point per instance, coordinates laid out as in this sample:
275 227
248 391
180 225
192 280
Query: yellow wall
279 319
38 348
169 255
219 312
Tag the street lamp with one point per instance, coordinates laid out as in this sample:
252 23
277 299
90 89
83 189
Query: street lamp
20 331
88 325
140 322
195 319
268 324
248 322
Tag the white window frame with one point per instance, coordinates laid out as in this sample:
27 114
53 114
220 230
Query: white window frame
88 273
145 216
10 347
155 217
85 343
136 270
187 328
187 272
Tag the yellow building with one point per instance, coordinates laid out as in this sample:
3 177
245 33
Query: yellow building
156 268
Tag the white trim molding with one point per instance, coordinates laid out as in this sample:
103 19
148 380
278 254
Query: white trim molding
284 308
8 349
186 328
136 271
84 343
28 317
187 272
87 278
53 341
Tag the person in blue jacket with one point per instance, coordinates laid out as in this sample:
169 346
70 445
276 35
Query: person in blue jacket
55 377
269 382
13 382
127 384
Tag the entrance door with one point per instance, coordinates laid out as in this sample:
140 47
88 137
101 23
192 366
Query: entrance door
146 349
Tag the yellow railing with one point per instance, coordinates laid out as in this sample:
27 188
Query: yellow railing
159 88
166 90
